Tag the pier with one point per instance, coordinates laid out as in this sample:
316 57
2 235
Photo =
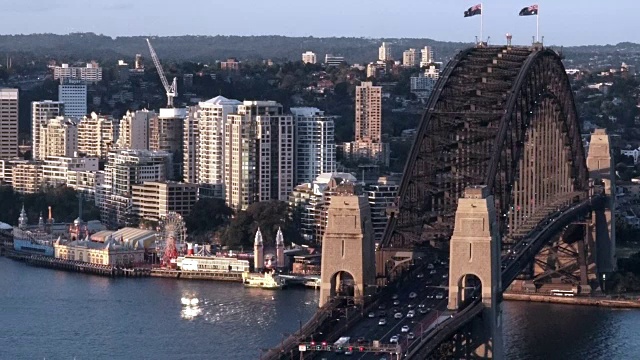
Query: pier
77 266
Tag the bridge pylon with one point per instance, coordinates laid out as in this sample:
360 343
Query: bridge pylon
475 271
348 260
602 176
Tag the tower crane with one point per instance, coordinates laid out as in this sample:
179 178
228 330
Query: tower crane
172 91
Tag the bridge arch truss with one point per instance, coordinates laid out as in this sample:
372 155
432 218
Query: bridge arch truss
502 117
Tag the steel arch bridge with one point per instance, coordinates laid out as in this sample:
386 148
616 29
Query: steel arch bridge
499 116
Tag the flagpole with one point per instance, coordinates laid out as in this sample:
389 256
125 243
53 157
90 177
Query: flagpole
481 16
538 24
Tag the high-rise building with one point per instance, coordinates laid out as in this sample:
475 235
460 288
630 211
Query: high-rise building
381 197
315 144
368 112
27 177
139 62
191 136
58 137
384 52
134 130
309 57
211 139
92 72
97 135
259 154
166 134
8 123
124 169
41 112
56 169
368 127
410 58
73 93
427 56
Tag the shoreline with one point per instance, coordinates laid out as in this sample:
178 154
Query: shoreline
583 301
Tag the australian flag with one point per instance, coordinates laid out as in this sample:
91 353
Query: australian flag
474 10
529 10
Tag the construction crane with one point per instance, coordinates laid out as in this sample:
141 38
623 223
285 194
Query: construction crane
172 91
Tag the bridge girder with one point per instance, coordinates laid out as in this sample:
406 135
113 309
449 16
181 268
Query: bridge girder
502 117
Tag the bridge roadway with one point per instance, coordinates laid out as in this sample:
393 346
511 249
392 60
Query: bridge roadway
427 310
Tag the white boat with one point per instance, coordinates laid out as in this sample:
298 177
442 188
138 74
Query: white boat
185 301
264 281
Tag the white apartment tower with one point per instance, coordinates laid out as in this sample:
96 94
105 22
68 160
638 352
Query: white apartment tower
427 56
191 136
410 58
97 135
309 57
211 138
384 52
73 93
92 72
58 137
315 144
41 112
8 123
134 130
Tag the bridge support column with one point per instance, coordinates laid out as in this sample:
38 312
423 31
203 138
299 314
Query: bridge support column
601 172
348 260
475 271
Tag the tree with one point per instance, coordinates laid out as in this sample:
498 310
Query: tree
207 216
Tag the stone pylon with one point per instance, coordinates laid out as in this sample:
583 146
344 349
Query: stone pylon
474 271
348 258
258 251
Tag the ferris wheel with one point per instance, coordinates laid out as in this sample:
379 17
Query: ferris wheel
173 234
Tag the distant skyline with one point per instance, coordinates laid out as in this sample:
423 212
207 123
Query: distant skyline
566 22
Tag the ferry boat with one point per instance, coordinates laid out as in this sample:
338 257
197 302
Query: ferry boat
212 264
264 281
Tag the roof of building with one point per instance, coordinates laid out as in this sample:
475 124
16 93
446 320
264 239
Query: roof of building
221 100
5 226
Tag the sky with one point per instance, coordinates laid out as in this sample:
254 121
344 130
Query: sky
562 22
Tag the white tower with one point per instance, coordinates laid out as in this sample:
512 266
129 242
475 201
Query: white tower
279 249
22 219
258 251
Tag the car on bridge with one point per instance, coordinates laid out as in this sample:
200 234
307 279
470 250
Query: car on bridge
396 302
413 295
394 339
405 329
372 314
411 314
439 296
382 322
411 336
398 315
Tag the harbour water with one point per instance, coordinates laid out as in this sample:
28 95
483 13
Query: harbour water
49 314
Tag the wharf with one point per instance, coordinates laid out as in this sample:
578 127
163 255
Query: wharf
574 300
77 266
197 275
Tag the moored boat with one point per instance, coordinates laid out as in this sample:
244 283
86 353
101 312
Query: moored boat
266 280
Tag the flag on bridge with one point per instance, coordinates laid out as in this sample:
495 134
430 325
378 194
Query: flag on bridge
473 11
529 10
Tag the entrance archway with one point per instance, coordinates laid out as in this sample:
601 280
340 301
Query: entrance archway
469 290
342 284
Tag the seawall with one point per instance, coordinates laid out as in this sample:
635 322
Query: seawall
577 300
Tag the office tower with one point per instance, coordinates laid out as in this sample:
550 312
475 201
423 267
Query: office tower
309 57
381 196
410 58
73 93
427 56
58 137
97 135
259 154
384 52
41 112
134 130
315 144
211 139
92 72
191 136
8 123
166 134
